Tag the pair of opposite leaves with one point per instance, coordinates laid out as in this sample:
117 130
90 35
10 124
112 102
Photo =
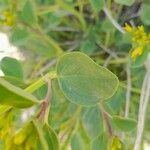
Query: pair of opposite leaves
81 80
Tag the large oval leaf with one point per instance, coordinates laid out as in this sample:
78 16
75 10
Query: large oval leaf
83 81
14 96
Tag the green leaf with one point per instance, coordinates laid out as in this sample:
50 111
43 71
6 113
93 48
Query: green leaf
145 17
117 101
57 95
88 46
14 96
125 2
83 81
47 136
11 67
4 108
100 142
124 124
51 137
92 122
77 142
19 37
97 5
28 13
107 26
84 135
41 48
15 81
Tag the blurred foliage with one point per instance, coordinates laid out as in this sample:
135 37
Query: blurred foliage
43 30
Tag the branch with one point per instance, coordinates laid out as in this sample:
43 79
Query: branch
128 94
113 21
43 114
143 105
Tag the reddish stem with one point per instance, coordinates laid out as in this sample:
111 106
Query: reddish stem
45 104
105 116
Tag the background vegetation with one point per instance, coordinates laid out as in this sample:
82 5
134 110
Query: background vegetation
43 30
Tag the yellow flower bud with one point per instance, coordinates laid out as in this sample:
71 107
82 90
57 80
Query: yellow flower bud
19 138
116 144
136 52
9 18
139 38
128 28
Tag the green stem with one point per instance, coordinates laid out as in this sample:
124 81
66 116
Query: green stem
134 90
47 9
113 62
41 81
51 41
74 12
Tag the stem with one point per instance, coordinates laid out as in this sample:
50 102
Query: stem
38 31
47 9
45 106
107 124
70 123
74 12
113 21
143 104
40 82
51 41
128 94
106 117
134 90
142 110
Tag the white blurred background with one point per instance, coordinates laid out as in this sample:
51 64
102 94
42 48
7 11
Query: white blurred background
6 49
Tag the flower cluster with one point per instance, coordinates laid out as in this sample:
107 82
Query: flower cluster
7 18
140 39
116 144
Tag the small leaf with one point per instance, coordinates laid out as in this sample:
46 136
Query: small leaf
124 124
92 122
28 13
77 142
23 133
125 2
11 67
84 82
117 101
51 137
15 81
88 46
145 17
14 96
100 142
47 136
19 37
4 108
97 5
